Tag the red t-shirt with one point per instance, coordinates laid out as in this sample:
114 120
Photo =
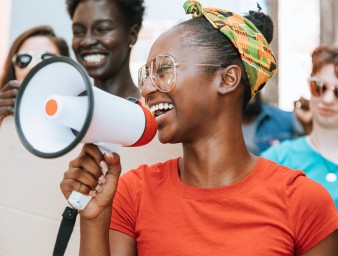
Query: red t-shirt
273 211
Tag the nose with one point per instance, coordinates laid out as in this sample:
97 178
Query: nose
88 40
329 96
145 83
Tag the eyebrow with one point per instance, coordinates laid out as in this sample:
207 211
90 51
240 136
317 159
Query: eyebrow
95 22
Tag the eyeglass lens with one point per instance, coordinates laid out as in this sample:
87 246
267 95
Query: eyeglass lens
162 72
318 88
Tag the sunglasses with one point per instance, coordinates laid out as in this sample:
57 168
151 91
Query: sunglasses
162 72
318 87
22 60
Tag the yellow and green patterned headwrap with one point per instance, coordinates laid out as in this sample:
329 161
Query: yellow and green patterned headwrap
257 57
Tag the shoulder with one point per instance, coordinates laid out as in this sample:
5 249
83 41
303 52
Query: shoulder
285 148
310 210
147 174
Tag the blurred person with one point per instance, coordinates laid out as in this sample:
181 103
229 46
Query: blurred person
317 153
28 49
265 125
104 33
217 194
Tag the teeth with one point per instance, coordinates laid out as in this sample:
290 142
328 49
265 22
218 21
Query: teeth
93 58
161 106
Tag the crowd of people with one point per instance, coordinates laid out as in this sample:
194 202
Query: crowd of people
226 167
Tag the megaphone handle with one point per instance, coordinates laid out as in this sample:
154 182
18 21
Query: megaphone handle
79 201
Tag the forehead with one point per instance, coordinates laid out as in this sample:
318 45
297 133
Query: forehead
96 10
39 43
327 73
170 43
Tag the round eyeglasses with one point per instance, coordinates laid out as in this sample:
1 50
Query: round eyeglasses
162 72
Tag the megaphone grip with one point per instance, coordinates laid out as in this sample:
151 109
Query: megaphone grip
149 130
78 201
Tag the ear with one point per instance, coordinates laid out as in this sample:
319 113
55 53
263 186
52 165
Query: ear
231 77
133 34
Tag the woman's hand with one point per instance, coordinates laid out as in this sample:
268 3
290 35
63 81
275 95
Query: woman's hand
85 176
303 114
7 98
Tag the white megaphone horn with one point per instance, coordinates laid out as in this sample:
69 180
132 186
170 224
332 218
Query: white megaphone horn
57 108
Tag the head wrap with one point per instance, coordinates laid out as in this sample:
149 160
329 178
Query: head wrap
257 57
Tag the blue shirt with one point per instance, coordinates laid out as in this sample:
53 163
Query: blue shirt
271 127
298 154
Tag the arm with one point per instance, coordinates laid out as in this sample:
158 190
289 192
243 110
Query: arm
85 176
328 246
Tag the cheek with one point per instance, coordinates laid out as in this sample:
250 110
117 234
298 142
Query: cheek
21 74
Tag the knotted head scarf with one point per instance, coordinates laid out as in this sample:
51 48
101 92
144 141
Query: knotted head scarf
257 57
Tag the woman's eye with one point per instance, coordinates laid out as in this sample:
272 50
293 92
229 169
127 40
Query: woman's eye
103 29
162 70
78 32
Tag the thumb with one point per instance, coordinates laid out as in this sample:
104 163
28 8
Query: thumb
113 164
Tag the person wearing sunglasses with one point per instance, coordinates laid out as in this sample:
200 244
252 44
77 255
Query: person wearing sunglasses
317 153
28 49
218 199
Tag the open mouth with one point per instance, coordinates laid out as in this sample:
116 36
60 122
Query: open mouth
160 109
93 58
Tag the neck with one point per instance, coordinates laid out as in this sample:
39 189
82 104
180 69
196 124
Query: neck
121 85
325 141
220 160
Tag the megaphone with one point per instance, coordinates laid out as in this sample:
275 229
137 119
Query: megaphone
57 108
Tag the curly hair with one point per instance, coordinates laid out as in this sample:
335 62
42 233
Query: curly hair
132 10
46 31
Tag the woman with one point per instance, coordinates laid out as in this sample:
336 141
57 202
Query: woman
319 148
104 33
31 47
217 199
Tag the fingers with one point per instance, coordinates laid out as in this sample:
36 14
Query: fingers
89 160
7 97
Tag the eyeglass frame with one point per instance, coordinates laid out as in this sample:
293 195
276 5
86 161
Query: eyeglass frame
33 55
176 64
324 86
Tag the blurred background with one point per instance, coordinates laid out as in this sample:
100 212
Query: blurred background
299 27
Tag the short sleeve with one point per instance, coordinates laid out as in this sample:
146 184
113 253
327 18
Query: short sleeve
312 213
125 204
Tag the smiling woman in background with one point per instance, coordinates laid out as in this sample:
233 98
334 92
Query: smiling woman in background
31 47
104 33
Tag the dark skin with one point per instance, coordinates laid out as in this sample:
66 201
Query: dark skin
7 98
210 150
101 43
